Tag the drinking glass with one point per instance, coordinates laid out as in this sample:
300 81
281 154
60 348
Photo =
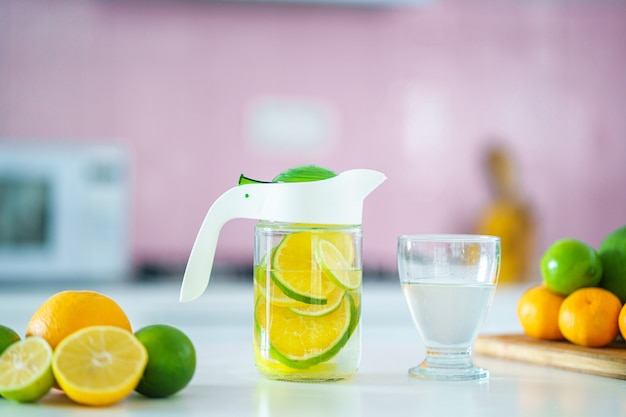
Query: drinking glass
448 282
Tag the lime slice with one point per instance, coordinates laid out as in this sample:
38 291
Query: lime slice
336 267
343 242
315 310
277 297
266 286
26 370
356 310
296 272
301 341
271 291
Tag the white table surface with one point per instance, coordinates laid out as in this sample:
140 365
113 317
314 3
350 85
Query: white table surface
226 381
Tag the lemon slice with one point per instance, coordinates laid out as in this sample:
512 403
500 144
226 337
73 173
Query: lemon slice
336 267
296 272
301 341
99 365
25 370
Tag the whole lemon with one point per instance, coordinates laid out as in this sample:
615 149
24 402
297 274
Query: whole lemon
68 311
570 264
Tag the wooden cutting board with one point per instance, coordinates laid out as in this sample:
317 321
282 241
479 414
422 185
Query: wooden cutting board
608 361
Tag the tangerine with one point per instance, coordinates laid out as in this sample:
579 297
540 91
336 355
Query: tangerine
589 317
68 311
622 322
538 313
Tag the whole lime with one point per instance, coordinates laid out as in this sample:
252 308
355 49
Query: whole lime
612 253
7 337
570 264
171 360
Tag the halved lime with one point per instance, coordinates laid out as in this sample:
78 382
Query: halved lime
301 341
26 370
336 267
296 272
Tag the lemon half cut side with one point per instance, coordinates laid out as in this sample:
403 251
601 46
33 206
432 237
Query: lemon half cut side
99 365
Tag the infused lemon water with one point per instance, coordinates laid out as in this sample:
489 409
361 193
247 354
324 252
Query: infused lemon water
307 301
448 316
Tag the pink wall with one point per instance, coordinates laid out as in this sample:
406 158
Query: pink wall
417 93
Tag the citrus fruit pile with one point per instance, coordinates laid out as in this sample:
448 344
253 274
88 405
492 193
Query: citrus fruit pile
307 293
582 296
81 342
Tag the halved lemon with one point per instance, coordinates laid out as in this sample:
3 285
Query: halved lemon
25 370
99 365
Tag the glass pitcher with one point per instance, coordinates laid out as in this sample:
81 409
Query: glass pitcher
307 268
307 301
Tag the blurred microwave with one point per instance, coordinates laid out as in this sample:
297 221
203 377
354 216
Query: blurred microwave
64 211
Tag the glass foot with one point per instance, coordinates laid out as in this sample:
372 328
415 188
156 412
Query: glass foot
456 366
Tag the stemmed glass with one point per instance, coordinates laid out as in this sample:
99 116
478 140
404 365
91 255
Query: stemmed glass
448 282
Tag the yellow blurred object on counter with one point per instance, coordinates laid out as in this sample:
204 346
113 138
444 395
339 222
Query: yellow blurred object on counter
508 216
